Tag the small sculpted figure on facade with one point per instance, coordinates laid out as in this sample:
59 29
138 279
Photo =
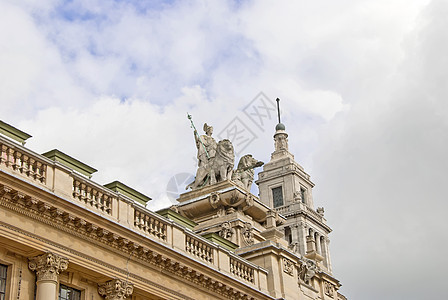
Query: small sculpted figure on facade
320 211
244 174
226 230
307 270
248 235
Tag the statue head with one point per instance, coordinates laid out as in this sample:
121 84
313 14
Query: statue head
208 129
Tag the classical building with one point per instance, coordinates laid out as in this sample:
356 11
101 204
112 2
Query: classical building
65 236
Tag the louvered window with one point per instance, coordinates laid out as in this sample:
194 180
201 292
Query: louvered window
277 195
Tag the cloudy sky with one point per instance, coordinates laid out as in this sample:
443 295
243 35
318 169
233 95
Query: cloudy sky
362 87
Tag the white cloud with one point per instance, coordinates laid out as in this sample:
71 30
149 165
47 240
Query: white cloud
362 85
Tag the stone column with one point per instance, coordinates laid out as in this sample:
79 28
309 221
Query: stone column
301 230
318 247
115 289
328 258
47 268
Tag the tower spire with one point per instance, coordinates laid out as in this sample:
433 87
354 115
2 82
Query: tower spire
278 109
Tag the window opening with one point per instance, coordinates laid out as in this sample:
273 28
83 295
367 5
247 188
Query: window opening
68 293
277 195
3 273
302 194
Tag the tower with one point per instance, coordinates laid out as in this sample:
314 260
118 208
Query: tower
285 186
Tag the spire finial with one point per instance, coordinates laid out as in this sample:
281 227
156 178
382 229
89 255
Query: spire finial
278 109
279 126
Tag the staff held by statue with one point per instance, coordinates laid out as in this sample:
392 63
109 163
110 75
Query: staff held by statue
197 134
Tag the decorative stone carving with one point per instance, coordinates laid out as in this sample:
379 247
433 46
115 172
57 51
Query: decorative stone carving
307 270
249 200
288 266
297 196
48 266
226 230
320 211
215 160
247 233
214 199
281 141
244 174
294 247
115 289
329 289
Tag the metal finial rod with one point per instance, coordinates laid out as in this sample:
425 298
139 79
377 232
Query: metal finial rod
278 109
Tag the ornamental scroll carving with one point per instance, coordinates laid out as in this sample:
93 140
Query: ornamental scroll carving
307 270
48 266
288 266
115 289
226 230
248 235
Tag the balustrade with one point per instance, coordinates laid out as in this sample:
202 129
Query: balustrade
150 224
242 270
23 163
94 197
198 248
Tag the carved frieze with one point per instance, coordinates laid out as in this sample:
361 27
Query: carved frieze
115 289
48 266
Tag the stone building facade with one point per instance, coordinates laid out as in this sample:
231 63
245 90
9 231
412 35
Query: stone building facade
64 236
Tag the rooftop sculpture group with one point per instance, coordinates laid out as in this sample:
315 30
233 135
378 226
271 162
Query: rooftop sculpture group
216 161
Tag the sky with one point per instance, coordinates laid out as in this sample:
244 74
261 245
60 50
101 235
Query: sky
362 87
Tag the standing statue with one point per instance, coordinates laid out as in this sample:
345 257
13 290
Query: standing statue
215 160
244 174
206 145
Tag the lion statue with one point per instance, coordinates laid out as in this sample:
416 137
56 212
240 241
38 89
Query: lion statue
244 174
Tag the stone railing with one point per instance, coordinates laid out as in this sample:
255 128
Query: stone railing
98 198
242 270
282 209
313 212
298 207
150 224
200 249
21 161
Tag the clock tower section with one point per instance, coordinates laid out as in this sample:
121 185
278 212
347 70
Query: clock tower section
285 186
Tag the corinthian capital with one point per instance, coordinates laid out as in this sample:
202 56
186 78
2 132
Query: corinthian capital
115 289
48 266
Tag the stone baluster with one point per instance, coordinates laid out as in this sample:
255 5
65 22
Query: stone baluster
47 268
115 289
